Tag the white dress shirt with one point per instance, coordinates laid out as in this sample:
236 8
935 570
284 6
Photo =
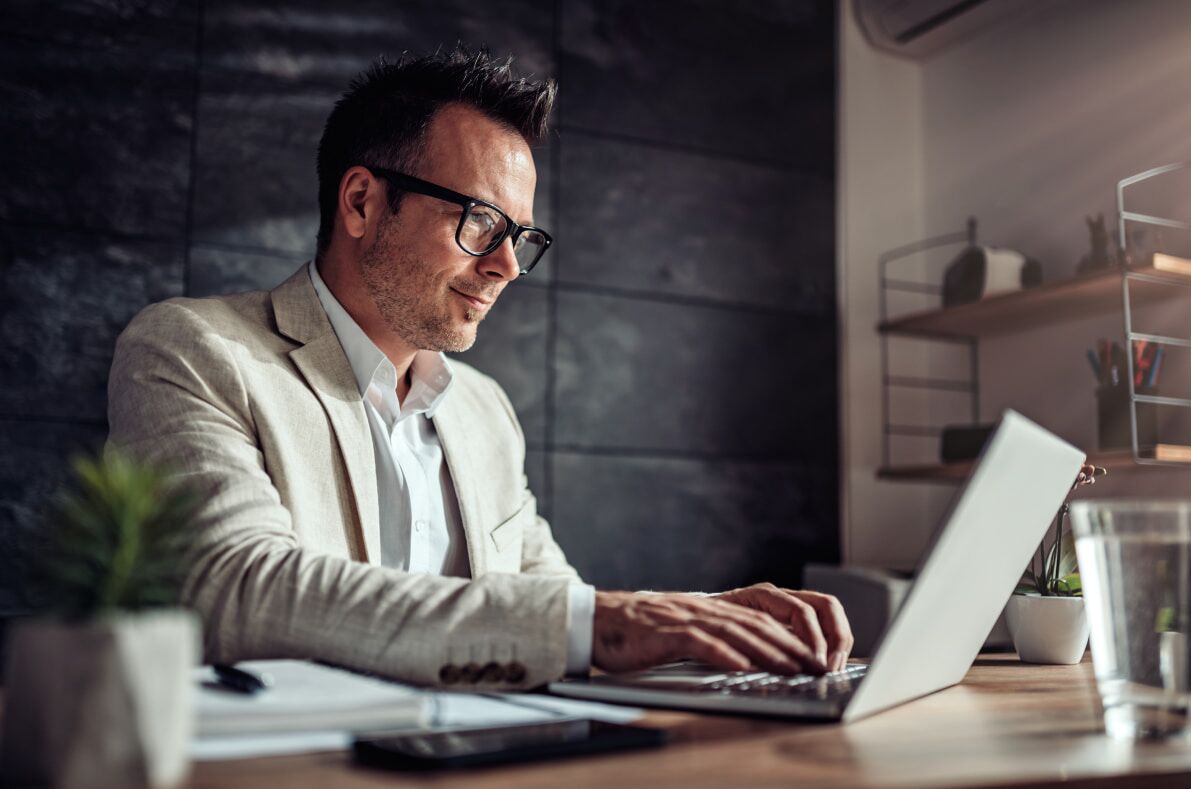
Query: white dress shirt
421 530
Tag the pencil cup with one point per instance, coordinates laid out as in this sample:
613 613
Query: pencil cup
1112 410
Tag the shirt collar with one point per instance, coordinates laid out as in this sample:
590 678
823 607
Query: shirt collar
430 373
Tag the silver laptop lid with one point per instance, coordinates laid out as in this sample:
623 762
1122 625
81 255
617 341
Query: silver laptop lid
992 530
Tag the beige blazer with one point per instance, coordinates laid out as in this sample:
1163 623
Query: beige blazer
251 397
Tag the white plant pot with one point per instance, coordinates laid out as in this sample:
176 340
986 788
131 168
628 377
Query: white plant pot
99 703
1047 629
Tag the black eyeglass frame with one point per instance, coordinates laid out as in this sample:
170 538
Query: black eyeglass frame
409 183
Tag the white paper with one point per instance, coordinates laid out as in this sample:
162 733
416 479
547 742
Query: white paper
482 710
446 711
248 746
571 708
306 696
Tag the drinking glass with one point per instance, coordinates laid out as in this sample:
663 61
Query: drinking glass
1135 565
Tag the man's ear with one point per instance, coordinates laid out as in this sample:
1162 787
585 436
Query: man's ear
361 199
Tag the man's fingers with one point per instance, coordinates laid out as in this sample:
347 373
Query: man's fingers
634 632
692 642
791 611
809 652
834 622
815 618
725 626
804 619
806 642
766 641
759 652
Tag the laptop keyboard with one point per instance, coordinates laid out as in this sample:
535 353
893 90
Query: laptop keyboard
696 678
760 684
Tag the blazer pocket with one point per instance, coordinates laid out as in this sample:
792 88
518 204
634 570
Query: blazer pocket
507 534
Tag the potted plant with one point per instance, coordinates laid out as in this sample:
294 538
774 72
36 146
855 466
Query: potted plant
1045 614
97 687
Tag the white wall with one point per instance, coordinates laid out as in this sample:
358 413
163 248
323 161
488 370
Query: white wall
1028 126
1032 125
880 205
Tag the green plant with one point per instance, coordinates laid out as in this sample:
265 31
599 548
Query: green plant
119 536
1054 572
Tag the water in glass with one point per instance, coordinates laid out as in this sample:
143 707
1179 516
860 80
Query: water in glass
1135 564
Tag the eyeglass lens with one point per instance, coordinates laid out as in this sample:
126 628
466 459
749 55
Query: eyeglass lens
483 228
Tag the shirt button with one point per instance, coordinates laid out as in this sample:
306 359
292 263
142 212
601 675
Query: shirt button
419 526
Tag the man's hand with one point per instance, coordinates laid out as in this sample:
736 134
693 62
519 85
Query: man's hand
818 620
634 631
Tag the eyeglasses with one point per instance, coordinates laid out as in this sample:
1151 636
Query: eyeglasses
482 227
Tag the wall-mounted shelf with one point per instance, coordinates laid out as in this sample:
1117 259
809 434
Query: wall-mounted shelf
1151 279
1080 297
1116 458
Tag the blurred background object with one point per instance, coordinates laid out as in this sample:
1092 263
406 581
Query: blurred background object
98 685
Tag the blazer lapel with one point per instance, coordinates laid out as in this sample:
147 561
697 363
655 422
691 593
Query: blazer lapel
452 434
320 359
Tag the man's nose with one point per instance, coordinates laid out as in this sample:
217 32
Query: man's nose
501 263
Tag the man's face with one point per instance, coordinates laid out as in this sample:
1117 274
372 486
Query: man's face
430 292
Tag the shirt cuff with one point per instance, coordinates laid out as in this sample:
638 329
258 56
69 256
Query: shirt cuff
581 620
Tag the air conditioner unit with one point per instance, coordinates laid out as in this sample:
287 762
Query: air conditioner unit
917 29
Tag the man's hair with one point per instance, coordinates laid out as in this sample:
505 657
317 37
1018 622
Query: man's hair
382 118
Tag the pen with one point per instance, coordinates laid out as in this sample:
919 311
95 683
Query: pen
241 680
1116 355
1157 364
1095 362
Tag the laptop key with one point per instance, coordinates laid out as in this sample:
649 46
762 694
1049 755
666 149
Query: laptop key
835 684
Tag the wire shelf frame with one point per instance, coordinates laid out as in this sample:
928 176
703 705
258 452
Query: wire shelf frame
889 381
1124 216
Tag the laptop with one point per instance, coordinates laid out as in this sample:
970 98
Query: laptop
993 527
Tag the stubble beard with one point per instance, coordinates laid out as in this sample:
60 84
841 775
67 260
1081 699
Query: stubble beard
403 289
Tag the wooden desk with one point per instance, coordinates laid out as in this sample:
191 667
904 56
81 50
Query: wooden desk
1007 724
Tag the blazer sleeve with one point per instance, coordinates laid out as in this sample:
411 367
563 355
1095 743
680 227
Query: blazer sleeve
540 553
177 398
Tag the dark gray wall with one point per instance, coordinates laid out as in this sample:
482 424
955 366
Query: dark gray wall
672 359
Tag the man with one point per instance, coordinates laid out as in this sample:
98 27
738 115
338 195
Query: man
367 503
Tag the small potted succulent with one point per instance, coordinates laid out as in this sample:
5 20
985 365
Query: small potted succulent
97 686
1045 614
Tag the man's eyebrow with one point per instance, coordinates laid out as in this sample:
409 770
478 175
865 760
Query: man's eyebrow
526 223
496 203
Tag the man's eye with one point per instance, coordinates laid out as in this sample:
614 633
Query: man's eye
482 221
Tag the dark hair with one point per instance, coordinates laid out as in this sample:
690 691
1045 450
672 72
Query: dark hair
383 116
